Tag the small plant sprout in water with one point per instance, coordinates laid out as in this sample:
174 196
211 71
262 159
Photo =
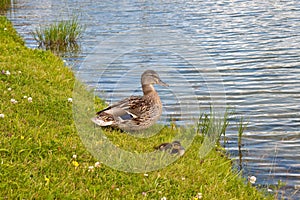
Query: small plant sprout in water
60 36
276 188
4 5
241 128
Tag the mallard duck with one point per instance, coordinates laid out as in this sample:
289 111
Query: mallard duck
173 148
136 112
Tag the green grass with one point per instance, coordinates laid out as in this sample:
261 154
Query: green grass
61 36
39 139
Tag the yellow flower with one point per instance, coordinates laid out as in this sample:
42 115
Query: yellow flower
75 163
47 180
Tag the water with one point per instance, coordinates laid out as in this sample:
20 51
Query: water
244 52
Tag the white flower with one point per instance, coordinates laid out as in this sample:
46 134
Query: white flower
183 178
199 195
13 101
270 190
2 115
91 168
146 175
164 198
9 89
29 99
97 164
74 156
5 29
70 100
252 179
117 189
7 72
25 97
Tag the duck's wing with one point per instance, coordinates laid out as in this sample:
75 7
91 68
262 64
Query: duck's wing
116 113
121 109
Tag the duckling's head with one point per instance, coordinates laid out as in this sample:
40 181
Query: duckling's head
150 77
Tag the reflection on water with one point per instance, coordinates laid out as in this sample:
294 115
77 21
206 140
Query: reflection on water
254 45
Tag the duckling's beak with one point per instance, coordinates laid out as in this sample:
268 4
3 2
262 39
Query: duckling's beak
160 82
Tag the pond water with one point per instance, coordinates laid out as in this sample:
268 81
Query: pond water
241 54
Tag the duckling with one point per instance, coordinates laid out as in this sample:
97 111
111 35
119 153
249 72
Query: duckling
134 113
173 148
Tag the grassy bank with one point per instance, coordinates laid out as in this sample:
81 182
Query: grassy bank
42 157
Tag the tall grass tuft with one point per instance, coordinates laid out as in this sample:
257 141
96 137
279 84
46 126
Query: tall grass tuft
208 121
60 36
4 5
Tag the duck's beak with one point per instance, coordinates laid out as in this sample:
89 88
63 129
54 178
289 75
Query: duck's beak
160 82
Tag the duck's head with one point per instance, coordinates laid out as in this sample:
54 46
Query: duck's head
150 77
